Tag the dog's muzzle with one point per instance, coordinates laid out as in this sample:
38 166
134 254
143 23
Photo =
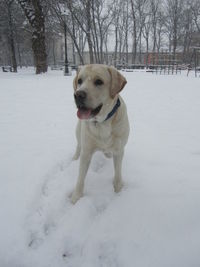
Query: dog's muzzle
85 112
80 98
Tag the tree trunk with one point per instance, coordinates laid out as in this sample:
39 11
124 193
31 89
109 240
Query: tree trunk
11 39
19 55
73 45
95 35
34 13
126 33
88 32
53 51
39 51
134 48
87 29
147 50
116 43
175 31
38 39
73 37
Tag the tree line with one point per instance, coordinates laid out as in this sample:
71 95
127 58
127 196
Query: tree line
127 28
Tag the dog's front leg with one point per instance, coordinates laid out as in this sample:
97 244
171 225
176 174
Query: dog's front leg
85 159
117 159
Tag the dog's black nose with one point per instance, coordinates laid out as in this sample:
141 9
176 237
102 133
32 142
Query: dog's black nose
80 97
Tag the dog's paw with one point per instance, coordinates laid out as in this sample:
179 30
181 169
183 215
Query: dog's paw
77 153
75 157
117 186
75 197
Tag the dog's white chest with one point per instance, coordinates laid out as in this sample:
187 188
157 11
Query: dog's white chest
102 135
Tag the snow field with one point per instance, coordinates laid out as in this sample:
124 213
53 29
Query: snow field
153 222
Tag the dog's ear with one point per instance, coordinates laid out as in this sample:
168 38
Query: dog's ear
118 81
75 81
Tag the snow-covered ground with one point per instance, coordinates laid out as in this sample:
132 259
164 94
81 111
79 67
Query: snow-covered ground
154 221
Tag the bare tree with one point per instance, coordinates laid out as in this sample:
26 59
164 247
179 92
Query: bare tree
174 13
195 6
8 10
88 6
134 18
187 29
101 21
34 13
81 12
58 8
120 21
154 9
139 27
138 14
160 32
11 35
126 29
146 32
116 16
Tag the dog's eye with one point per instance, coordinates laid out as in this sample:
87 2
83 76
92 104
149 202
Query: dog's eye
80 81
98 82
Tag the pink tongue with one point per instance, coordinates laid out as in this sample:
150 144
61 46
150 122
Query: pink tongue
84 114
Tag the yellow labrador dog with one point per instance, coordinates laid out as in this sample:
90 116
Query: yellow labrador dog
103 121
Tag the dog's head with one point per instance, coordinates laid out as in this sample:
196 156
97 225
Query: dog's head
95 88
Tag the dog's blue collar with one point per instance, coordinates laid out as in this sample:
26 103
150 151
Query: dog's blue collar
115 108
